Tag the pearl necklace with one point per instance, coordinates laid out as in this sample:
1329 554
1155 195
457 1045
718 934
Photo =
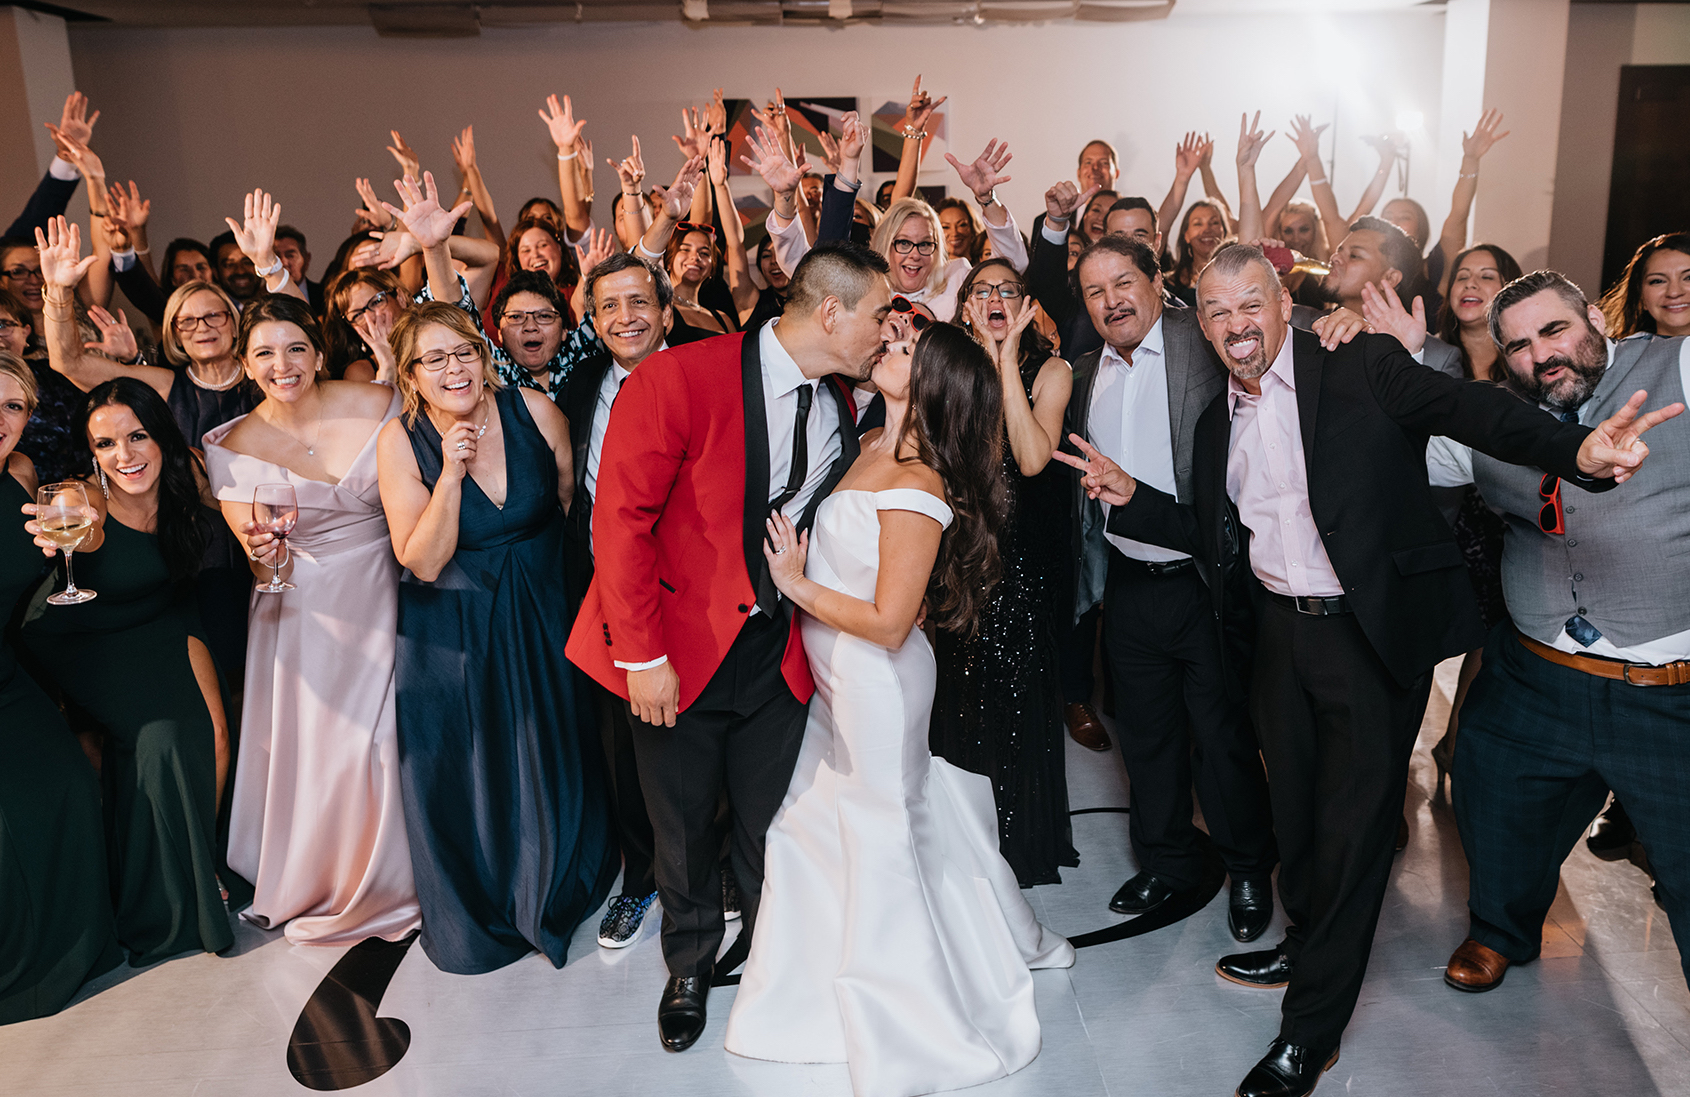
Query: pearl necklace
222 386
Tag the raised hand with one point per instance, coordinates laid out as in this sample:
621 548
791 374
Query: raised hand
830 151
1064 198
422 215
375 328
773 117
405 154
631 170
1616 447
1251 140
81 157
116 340
599 246
1188 155
716 115
677 196
74 122
1307 138
62 262
692 124
256 233
463 152
986 172
1484 135
1102 478
718 164
370 215
771 163
129 211
920 109
560 121
1205 150
1384 313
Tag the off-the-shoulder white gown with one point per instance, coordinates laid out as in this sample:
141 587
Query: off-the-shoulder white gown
891 935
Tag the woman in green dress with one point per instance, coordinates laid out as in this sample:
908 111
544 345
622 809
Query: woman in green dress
133 659
55 912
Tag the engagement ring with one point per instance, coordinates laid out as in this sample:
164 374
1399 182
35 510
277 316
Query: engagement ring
463 445
780 550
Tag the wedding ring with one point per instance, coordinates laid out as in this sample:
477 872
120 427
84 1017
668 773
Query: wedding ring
463 445
780 550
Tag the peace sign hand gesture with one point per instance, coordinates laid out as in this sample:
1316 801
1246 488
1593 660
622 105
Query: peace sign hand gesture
1251 140
1616 447
1102 478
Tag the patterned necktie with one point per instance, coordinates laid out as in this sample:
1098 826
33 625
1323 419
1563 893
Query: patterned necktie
1577 627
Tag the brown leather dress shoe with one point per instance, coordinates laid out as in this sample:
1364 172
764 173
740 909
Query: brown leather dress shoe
1475 968
1085 728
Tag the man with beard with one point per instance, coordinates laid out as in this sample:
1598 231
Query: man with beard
235 270
1319 457
1137 400
1588 688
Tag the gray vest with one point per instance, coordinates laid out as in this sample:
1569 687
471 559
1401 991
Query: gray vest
1624 562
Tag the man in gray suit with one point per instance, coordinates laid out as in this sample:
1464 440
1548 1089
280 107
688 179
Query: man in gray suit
1379 254
1137 400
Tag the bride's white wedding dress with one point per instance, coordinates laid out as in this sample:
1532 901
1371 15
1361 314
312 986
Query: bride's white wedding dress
891 935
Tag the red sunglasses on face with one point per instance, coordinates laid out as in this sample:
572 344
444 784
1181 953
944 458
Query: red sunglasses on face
918 319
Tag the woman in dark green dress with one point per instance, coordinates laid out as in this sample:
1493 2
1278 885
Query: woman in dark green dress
505 809
134 661
55 912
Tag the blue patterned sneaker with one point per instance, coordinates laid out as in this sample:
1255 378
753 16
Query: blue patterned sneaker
622 922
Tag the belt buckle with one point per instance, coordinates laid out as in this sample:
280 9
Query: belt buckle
1625 674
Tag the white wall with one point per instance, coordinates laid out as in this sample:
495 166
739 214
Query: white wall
196 116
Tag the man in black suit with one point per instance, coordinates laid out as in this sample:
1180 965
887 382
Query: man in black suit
629 301
1137 400
296 260
1310 499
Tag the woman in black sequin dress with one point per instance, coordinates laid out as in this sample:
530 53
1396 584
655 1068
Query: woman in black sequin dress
998 708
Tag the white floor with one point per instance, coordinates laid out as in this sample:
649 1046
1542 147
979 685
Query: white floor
1606 1010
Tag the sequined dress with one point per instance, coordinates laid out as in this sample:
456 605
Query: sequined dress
998 708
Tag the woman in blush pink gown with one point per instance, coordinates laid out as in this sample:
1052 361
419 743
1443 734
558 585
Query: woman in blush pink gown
317 824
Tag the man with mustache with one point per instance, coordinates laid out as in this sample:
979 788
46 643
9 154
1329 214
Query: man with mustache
1588 689
1137 400
1310 506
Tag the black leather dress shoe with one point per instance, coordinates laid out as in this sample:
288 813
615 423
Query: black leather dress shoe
1612 834
1249 909
680 1015
1268 969
1141 895
1287 1070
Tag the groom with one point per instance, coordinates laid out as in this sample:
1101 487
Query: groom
682 617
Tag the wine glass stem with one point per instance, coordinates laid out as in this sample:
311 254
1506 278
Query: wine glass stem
276 569
70 580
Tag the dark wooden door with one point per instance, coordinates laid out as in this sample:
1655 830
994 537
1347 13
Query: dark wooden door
1649 193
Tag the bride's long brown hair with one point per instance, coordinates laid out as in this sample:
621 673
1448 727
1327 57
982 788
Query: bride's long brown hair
955 425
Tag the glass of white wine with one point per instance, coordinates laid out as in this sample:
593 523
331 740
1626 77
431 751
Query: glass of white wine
64 517
275 510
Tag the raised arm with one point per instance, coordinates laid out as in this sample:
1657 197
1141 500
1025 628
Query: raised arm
783 177
1473 148
677 200
632 216
53 193
565 129
1280 198
1187 155
127 224
1307 139
914 132
982 178
1034 426
62 267
96 286
1389 148
431 227
256 237
733 230
839 193
1252 225
1205 167
473 187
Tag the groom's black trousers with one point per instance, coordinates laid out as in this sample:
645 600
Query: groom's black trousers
743 733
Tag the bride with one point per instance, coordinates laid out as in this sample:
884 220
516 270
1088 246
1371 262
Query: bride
892 935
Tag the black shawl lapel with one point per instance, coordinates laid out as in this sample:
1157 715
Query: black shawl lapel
1307 360
756 453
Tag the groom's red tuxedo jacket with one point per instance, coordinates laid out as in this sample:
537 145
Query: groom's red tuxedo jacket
678 517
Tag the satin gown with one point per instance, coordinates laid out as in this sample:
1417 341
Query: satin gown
318 819
892 935
56 929
504 803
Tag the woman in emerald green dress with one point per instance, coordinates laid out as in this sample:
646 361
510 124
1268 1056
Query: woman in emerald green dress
55 912
135 661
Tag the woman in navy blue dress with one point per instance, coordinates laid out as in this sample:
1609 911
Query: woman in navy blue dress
509 828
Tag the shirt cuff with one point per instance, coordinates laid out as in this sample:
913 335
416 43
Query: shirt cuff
123 260
1420 355
1055 236
657 662
62 170
575 241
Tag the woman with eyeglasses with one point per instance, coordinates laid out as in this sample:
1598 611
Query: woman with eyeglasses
998 711
361 305
48 438
20 273
56 927
506 813
316 821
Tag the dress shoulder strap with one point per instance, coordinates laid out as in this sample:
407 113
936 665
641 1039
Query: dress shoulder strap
922 502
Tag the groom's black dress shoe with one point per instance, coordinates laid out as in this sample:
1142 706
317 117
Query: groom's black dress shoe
1249 909
680 1015
1287 1070
1270 968
1141 895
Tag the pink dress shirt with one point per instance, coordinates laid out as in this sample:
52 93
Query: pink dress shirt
1267 478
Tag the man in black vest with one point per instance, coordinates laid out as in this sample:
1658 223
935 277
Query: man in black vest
1309 477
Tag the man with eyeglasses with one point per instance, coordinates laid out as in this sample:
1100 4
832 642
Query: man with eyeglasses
1587 689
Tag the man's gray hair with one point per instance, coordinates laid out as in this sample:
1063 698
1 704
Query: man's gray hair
627 260
1231 260
1530 285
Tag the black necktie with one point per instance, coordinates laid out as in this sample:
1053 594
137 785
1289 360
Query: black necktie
800 449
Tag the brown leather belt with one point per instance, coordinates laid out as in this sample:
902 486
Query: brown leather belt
1632 674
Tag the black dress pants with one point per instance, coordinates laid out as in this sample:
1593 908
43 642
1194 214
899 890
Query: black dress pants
1336 732
1176 724
627 802
742 734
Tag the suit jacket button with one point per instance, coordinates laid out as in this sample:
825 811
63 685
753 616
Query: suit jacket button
743 608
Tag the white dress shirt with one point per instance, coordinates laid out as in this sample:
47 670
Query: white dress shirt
608 388
1128 422
781 381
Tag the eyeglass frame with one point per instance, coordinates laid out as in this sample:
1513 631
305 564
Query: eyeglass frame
187 325
997 288
904 247
522 317
357 314
21 273
474 352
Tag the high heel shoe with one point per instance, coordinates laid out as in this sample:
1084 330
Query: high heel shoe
1443 756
